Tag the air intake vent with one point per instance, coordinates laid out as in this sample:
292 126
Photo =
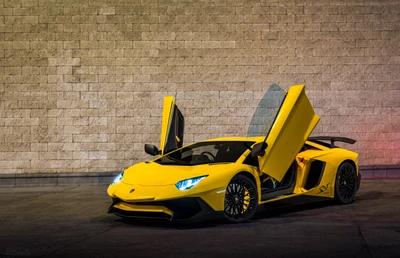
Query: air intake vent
315 174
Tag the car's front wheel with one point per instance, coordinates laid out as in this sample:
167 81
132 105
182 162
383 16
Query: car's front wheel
241 199
346 183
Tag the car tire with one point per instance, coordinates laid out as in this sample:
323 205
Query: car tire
345 183
241 199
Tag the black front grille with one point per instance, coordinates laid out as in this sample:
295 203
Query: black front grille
184 208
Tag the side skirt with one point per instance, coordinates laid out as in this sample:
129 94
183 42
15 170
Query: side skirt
294 199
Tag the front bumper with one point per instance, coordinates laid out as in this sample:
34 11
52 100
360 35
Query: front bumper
188 209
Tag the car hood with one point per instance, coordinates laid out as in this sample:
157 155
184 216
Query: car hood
154 174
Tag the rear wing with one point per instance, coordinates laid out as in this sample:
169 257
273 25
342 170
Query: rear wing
332 139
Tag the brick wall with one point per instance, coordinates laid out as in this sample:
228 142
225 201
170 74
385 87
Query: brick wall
81 81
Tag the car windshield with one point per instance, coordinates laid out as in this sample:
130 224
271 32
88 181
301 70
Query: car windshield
266 111
206 153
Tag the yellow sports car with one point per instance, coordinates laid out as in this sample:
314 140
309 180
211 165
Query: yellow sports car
230 177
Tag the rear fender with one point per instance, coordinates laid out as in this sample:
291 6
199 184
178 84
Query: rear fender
332 159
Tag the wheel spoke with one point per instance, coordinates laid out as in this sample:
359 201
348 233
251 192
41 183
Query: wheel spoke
347 182
240 198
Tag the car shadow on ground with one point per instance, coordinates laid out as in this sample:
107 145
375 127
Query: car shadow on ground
265 212
276 209
371 195
167 225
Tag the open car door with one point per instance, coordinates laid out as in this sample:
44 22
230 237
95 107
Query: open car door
293 123
172 126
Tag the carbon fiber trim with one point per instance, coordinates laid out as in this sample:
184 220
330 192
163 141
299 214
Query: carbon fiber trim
141 214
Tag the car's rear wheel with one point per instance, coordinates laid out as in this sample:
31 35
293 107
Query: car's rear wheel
241 199
346 183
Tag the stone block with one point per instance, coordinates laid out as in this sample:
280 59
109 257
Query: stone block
35 180
76 179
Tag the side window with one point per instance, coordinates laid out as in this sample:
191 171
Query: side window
252 161
205 148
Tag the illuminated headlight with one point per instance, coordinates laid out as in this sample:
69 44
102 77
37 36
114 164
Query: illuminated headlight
118 178
189 183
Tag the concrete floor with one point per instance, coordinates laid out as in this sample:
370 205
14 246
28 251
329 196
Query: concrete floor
72 221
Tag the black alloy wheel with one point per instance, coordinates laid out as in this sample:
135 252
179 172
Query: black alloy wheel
346 183
241 199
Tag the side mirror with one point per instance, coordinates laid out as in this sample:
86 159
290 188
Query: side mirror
259 149
151 149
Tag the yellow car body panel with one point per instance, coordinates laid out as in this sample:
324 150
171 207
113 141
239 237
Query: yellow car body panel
309 168
169 103
294 123
143 208
325 189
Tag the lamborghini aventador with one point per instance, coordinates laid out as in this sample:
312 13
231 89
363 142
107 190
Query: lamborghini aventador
230 177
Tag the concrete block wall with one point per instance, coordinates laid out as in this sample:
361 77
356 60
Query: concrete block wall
82 81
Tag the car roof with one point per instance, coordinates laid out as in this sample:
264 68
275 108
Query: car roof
238 138
251 139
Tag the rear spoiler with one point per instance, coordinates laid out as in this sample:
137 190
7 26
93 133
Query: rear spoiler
332 139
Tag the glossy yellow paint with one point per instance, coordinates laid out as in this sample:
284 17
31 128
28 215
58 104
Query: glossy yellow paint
332 157
169 103
294 123
144 208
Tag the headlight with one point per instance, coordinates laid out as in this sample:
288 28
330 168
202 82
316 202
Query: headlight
118 178
189 183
